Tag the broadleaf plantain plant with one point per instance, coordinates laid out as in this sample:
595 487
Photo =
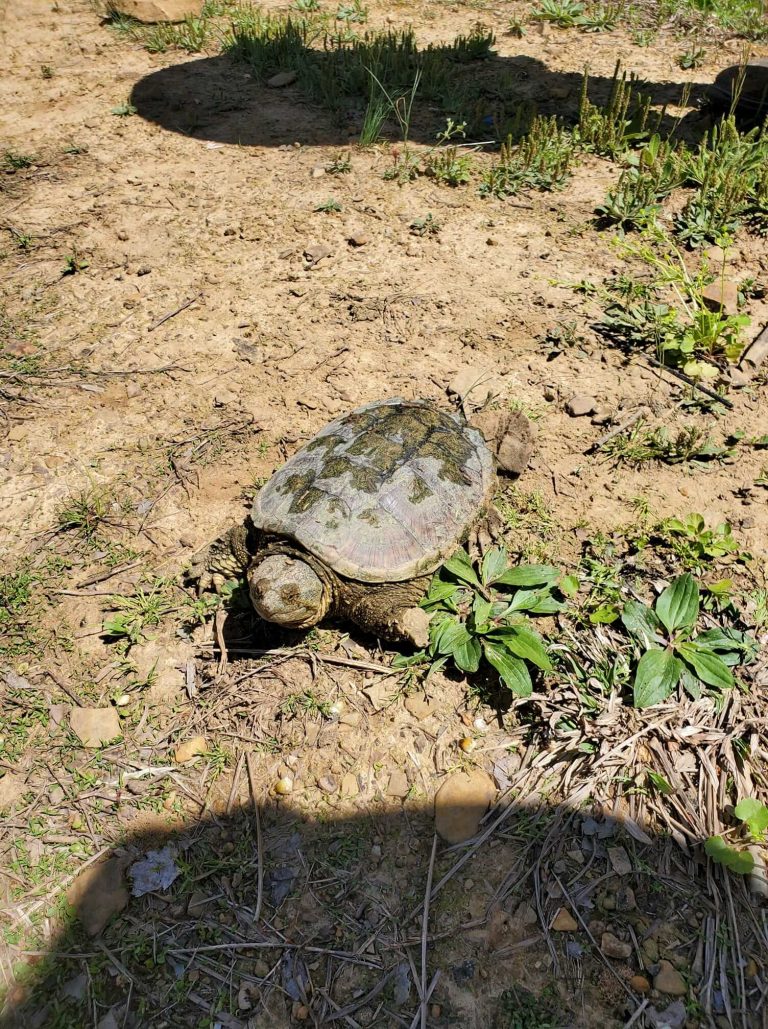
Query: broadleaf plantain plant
674 652
480 615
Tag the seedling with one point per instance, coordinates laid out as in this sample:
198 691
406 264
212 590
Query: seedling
426 226
124 110
480 615
692 58
73 264
754 818
46 71
145 609
13 161
673 652
329 206
341 164
696 546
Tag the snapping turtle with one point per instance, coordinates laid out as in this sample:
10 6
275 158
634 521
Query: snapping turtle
354 524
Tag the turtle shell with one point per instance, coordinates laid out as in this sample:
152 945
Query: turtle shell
383 494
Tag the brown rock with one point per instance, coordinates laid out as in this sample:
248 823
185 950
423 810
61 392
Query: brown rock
11 788
461 802
328 784
564 922
358 239
602 415
316 253
721 295
398 785
95 726
476 386
98 893
349 785
613 947
668 980
639 984
189 749
283 78
509 434
151 11
580 405
419 707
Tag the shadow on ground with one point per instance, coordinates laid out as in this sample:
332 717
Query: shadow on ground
285 915
225 100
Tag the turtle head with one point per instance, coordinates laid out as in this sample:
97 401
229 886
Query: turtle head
289 590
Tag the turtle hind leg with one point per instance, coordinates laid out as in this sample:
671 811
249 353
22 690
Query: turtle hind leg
226 558
390 611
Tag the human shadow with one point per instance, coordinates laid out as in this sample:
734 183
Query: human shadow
335 904
225 99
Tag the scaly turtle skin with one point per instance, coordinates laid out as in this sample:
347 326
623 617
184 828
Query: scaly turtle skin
353 525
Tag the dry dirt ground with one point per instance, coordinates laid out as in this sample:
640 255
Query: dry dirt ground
192 347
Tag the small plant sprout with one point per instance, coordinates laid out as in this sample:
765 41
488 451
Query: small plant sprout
74 263
428 225
14 161
673 652
329 206
124 110
753 816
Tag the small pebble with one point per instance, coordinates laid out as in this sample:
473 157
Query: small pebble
564 922
639 984
668 980
284 786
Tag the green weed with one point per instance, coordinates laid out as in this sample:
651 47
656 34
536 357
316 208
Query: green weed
480 615
673 652
14 161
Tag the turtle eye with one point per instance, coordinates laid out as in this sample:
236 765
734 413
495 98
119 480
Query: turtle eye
286 590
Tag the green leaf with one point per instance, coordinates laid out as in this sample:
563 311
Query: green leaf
540 602
440 590
481 609
514 673
660 783
640 621
524 643
690 683
494 564
678 605
754 815
466 655
461 566
569 585
740 861
448 635
529 575
722 640
710 668
604 615
658 672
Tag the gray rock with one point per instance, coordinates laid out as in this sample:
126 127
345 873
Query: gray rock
283 78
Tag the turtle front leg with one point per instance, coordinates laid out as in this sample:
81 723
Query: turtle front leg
389 611
226 558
